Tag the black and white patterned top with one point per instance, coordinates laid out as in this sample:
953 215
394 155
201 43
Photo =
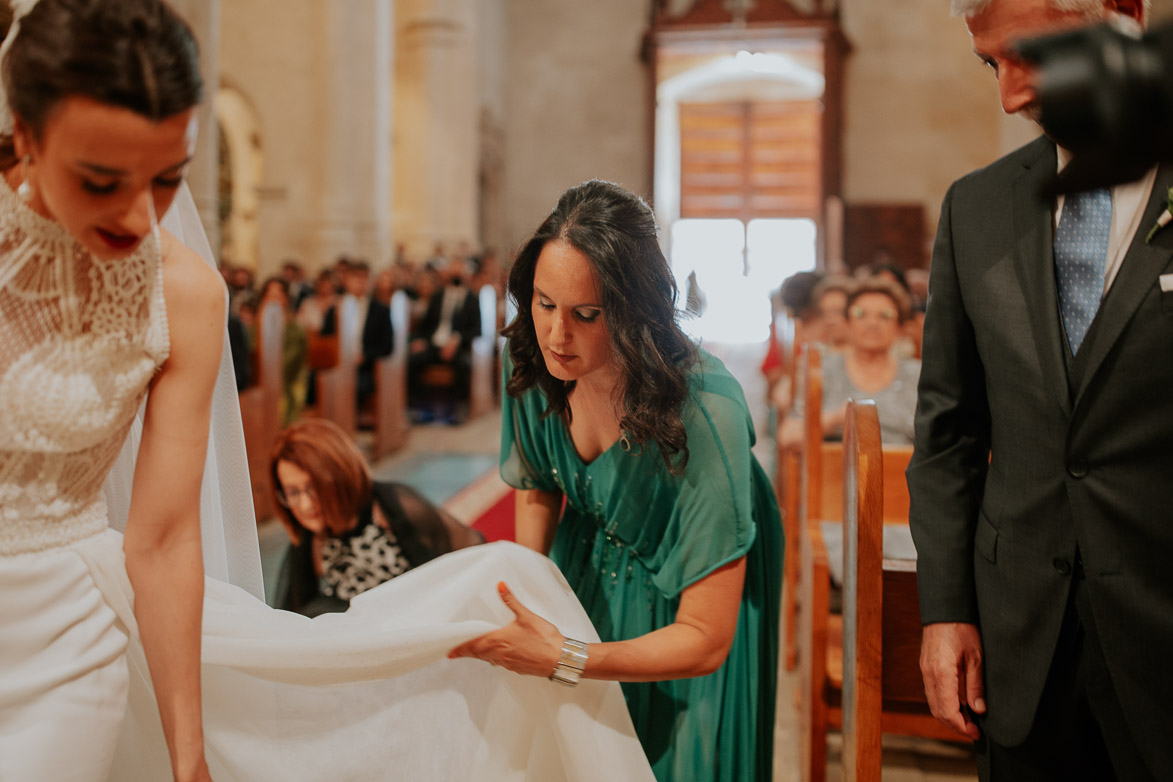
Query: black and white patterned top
361 559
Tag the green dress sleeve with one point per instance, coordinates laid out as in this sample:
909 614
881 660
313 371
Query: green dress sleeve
712 521
525 455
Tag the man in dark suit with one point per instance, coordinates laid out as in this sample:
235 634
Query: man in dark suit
1042 479
445 333
378 336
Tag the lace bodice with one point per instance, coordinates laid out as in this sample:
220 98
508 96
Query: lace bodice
80 339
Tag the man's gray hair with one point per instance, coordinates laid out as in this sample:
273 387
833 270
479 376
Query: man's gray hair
968 8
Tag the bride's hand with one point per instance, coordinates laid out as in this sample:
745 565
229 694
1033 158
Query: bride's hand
528 645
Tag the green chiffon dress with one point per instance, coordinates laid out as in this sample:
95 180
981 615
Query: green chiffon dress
633 536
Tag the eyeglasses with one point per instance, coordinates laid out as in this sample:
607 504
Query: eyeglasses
859 313
289 498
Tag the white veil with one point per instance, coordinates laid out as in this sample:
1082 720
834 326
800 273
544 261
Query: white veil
227 519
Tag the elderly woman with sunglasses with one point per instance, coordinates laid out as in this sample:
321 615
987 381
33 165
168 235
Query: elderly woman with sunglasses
349 533
877 310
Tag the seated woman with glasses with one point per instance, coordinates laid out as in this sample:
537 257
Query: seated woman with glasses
349 533
868 368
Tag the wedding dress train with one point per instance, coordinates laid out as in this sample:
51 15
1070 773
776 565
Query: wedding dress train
365 695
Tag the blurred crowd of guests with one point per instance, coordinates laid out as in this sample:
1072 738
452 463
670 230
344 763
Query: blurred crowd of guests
444 317
868 328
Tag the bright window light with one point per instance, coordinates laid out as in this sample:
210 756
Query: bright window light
735 306
778 249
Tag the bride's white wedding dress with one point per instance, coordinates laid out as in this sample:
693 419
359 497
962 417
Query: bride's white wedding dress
366 695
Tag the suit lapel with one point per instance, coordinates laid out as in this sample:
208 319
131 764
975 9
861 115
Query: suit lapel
1138 273
1035 266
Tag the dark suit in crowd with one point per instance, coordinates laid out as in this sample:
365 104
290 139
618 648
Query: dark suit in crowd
378 340
465 321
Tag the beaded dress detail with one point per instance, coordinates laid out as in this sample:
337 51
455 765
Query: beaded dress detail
82 338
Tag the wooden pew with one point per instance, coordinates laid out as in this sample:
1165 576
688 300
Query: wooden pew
260 405
336 385
482 375
820 633
882 687
390 398
788 485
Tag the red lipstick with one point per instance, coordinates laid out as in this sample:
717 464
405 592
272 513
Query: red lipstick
118 241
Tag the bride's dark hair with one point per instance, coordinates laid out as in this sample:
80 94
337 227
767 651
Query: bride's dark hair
616 231
134 54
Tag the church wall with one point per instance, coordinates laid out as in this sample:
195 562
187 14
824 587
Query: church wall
577 104
492 49
271 52
920 110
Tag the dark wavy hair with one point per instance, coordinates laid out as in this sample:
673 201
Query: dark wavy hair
134 54
616 231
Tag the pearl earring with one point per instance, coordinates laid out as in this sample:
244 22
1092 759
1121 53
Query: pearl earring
25 191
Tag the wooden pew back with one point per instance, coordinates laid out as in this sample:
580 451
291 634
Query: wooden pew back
791 485
260 404
390 398
482 376
882 686
336 386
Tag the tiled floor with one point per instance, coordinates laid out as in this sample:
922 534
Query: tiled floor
456 466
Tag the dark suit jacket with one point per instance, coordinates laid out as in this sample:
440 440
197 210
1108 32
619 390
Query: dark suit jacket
466 319
378 336
1025 455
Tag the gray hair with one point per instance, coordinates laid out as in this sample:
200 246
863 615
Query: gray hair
968 8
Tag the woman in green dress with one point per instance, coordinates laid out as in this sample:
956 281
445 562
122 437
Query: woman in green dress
670 534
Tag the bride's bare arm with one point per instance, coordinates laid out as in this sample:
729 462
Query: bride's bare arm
162 544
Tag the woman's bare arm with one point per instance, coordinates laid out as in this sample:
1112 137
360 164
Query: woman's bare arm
162 544
696 644
536 514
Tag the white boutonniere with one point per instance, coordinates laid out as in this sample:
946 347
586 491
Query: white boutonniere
1165 218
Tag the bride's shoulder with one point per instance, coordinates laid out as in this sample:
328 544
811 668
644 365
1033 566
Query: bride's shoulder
191 286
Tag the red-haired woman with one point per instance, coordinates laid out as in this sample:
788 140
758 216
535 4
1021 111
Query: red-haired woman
349 533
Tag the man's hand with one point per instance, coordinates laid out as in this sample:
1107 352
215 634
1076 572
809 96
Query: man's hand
951 664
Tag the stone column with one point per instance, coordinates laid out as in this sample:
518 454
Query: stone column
356 198
437 116
203 176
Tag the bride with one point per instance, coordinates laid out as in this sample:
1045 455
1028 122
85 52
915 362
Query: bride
119 659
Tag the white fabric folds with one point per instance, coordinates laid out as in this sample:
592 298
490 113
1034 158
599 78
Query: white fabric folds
370 694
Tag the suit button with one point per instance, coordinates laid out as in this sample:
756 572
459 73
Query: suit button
1062 566
1077 468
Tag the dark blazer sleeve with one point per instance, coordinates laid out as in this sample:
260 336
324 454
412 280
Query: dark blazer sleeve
238 344
431 319
946 476
329 326
467 322
378 337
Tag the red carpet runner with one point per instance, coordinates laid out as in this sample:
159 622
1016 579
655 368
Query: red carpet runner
497 522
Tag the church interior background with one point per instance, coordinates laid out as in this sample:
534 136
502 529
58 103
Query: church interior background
770 136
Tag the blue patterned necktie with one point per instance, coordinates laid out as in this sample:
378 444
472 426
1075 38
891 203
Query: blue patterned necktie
1081 260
